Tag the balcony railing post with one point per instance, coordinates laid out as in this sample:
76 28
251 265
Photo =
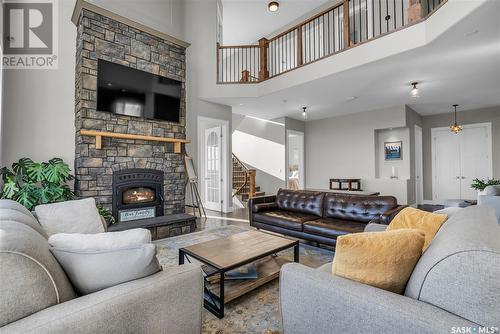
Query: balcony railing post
300 61
263 48
414 11
346 25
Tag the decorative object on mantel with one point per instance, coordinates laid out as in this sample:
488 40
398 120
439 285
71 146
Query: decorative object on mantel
393 150
340 184
192 179
99 134
455 128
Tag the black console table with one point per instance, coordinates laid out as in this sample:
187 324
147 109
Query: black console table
160 227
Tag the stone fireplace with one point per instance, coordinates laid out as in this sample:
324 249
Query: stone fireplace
126 174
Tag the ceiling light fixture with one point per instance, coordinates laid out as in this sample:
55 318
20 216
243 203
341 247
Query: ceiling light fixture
304 112
455 128
414 90
273 6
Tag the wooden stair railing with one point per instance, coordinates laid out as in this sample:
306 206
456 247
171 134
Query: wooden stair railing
244 179
347 24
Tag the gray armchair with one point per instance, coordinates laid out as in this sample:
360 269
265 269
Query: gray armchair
446 289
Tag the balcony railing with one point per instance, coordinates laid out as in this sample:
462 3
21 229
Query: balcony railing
323 35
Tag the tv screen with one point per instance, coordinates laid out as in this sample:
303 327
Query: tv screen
131 92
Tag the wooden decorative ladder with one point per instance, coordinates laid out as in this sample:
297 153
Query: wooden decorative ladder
244 181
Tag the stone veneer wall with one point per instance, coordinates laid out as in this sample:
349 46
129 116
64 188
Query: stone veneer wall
100 37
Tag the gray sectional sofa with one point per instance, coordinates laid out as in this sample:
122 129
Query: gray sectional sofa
455 284
37 297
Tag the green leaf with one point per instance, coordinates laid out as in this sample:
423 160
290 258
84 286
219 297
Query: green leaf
36 171
28 195
21 167
6 173
56 171
10 188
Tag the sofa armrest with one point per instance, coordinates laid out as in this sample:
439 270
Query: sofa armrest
169 301
315 301
259 200
389 215
261 207
490 201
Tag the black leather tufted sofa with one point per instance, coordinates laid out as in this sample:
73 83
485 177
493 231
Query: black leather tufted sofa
317 216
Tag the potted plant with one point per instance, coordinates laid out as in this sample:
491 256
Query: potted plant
32 183
480 184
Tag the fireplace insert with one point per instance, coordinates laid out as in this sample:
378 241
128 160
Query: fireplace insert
137 194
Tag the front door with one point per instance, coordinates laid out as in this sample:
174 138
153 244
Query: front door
212 172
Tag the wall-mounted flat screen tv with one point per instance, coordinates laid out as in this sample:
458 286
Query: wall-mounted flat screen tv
127 91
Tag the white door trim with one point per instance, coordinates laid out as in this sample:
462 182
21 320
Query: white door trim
464 126
419 182
202 120
302 180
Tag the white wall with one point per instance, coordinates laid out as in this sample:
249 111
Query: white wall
38 113
260 144
200 30
162 15
344 146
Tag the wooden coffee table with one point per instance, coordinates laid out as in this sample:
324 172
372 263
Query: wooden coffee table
223 255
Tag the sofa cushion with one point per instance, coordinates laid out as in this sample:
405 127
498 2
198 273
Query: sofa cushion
357 208
80 216
427 222
307 202
94 270
333 227
22 217
459 271
101 241
286 219
30 277
381 259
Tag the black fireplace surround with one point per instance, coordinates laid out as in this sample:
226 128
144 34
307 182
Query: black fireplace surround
137 194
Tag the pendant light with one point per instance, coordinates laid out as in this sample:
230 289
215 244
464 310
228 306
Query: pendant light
455 128
273 6
414 90
304 113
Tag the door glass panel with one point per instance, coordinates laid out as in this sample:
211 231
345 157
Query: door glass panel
295 160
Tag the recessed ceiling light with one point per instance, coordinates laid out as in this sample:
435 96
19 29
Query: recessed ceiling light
241 104
273 6
351 98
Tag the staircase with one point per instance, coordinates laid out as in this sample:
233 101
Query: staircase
244 181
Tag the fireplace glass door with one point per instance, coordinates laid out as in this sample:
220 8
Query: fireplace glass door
139 195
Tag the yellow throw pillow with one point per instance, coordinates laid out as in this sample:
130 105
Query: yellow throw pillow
381 259
427 222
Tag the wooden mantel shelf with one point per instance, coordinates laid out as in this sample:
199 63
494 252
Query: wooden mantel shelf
99 134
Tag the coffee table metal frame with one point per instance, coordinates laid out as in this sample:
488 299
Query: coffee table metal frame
214 303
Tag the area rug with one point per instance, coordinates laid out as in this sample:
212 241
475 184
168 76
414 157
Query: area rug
255 312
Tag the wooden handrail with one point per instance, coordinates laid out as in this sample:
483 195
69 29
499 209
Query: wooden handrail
99 134
249 178
301 44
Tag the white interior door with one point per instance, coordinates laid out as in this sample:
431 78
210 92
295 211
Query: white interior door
475 153
446 165
419 191
213 173
460 158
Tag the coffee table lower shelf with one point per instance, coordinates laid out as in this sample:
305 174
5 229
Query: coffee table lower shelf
268 269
